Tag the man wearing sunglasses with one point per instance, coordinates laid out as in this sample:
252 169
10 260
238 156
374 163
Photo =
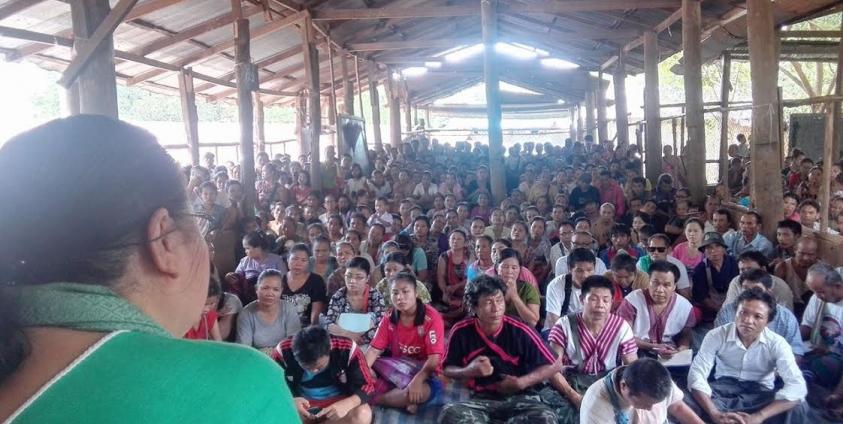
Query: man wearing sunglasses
658 249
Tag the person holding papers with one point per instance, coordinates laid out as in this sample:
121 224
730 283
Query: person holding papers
355 310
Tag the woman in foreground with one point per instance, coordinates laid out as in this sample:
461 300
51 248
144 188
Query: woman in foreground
91 317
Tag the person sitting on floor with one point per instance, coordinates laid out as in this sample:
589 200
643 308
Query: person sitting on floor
784 323
661 320
328 377
583 240
794 271
563 292
754 259
821 326
591 342
357 299
658 246
522 300
746 357
641 392
749 237
414 334
626 278
621 241
711 278
502 360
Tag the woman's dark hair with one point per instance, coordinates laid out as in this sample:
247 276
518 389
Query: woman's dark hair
300 247
647 376
310 344
624 262
695 221
458 231
420 309
120 175
482 286
269 273
508 253
361 263
404 242
756 293
257 239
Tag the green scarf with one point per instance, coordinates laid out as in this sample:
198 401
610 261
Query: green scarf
85 307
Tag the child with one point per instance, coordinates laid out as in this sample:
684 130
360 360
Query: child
206 328
809 212
382 216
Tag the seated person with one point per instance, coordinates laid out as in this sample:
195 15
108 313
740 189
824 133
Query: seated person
357 297
328 377
591 342
821 327
641 392
522 300
501 359
626 278
621 241
661 320
268 320
711 278
784 323
413 333
749 237
794 271
525 275
583 240
754 259
787 233
658 246
746 357
393 264
258 259
207 327
563 292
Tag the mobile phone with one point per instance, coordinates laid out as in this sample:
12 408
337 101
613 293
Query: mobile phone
314 411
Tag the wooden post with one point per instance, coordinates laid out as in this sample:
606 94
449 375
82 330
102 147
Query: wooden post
189 115
347 88
691 46
301 123
360 87
427 123
580 128
838 90
394 110
314 108
573 124
653 135
70 100
765 141
725 87
246 78
489 24
674 135
374 100
408 110
825 188
260 128
589 109
621 120
332 99
602 123
96 83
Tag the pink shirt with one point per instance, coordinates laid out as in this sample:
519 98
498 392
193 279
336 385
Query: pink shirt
681 252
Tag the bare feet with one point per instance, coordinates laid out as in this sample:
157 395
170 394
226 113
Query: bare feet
412 409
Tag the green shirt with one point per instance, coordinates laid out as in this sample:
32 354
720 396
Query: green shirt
528 294
133 377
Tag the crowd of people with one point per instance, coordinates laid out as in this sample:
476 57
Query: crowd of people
587 294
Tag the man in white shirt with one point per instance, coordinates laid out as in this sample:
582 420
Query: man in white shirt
746 356
822 327
582 240
563 292
641 392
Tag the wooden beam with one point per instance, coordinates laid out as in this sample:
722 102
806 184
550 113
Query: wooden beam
600 100
725 87
809 34
314 111
764 142
580 131
85 49
394 107
838 90
260 128
653 143
96 84
411 44
569 6
692 76
347 86
374 100
590 123
261 31
194 31
576 29
16 6
188 114
489 26
395 13
245 82
621 120
149 7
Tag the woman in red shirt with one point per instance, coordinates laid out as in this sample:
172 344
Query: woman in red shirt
414 335
206 327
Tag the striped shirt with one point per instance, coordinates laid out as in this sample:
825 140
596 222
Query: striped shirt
597 354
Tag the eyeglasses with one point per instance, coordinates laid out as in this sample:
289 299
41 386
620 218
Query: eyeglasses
657 249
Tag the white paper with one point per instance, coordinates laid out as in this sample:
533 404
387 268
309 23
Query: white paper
681 359
356 323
